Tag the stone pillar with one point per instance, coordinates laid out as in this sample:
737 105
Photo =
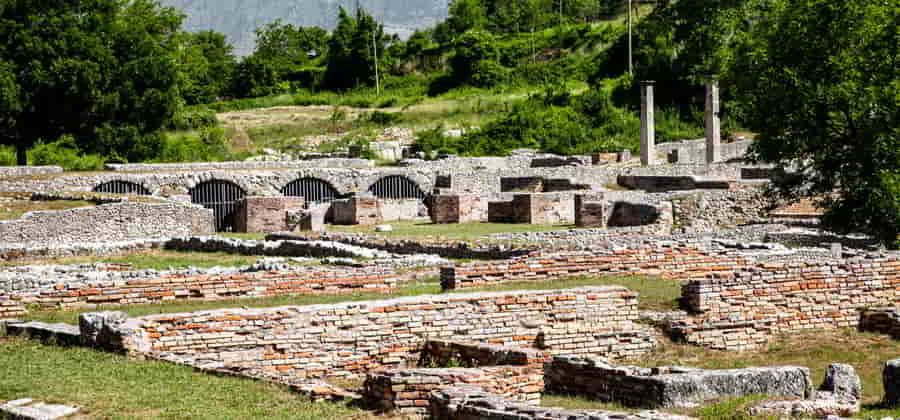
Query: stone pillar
648 132
713 123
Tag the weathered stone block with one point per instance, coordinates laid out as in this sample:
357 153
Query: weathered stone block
356 210
459 208
265 214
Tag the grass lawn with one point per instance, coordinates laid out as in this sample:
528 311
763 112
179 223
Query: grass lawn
655 294
111 386
463 232
10 210
158 259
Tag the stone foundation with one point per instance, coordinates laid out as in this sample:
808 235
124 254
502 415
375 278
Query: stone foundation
473 403
668 387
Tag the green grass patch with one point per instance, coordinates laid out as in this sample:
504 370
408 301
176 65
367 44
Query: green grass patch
114 387
10 210
160 260
463 231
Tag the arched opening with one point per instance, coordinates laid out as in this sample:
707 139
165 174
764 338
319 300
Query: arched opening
313 190
220 196
121 187
396 187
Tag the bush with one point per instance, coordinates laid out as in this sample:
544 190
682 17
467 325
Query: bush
7 156
206 145
384 118
64 152
192 118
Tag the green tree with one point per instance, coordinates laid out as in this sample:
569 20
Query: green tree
351 51
820 84
465 15
218 63
475 60
101 71
287 46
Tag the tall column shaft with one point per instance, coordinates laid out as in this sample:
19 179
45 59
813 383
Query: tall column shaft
713 123
648 131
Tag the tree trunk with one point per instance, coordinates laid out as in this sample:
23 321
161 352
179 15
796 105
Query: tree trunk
21 155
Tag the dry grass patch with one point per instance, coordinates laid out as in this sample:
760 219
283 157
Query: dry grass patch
10 210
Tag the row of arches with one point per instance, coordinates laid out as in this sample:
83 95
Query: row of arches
222 196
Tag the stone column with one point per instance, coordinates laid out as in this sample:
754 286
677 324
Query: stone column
713 123
648 133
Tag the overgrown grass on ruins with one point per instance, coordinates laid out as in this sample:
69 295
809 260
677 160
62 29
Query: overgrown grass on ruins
10 210
158 259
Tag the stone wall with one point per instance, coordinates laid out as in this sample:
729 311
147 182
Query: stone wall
459 208
18 171
668 387
740 308
291 344
444 248
668 260
664 183
89 287
473 403
108 223
708 211
242 165
693 152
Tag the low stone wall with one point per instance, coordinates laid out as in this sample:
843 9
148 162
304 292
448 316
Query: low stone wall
473 403
661 183
467 354
668 387
742 307
443 248
709 211
243 165
668 260
693 152
291 344
16 252
17 171
881 320
92 286
111 222
408 391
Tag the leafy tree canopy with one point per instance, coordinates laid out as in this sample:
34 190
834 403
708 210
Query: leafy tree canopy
102 71
820 86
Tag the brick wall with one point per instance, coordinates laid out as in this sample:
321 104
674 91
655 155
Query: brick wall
265 214
676 261
111 288
740 308
291 344
408 391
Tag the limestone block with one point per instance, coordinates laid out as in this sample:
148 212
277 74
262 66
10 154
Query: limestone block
356 210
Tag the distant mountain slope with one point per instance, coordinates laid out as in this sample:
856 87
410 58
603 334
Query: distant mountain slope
239 18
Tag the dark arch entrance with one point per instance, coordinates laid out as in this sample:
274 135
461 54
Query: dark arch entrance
395 187
220 196
313 190
121 187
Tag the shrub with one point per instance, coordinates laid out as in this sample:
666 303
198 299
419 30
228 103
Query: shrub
384 118
7 156
192 118
64 152
206 145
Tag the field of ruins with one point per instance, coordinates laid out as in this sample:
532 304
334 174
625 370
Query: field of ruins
664 285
